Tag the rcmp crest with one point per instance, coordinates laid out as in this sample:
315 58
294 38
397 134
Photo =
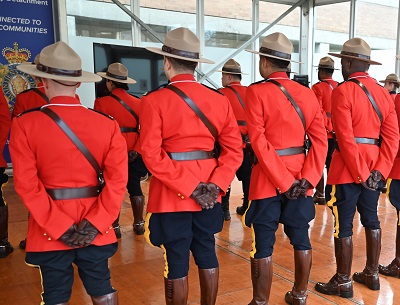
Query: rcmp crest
12 80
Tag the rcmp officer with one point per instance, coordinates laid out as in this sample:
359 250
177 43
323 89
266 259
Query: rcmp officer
177 148
391 84
55 150
5 124
31 98
323 91
236 93
280 114
367 136
124 108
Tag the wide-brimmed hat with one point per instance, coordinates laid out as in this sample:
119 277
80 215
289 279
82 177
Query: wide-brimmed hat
391 78
231 67
356 48
117 72
59 61
183 44
276 45
326 63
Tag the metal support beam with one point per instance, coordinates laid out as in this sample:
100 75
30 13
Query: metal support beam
136 33
60 20
306 37
200 26
398 40
252 39
255 26
353 12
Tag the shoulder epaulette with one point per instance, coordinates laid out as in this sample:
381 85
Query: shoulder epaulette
216 90
106 115
159 87
27 90
29 110
259 82
340 83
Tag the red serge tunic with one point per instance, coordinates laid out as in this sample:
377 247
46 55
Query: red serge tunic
273 123
323 92
5 124
29 99
168 124
112 107
237 107
354 116
395 172
44 157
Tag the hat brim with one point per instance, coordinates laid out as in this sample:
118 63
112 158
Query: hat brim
161 52
268 55
242 73
86 77
127 81
326 68
389 81
371 62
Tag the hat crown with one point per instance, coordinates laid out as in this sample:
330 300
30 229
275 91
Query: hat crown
357 46
182 39
278 42
392 78
232 64
60 56
326 62
117 69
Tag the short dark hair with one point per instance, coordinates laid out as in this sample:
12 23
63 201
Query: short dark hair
326 70
237 76
396 85
277 63
181 65
120 85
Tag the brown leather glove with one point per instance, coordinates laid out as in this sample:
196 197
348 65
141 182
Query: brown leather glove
373 180
67 235
206 194
304 186
294 191
84 235
132 156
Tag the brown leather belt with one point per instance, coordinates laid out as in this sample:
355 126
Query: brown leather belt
291 151
242 123
73 193
191 155
129 129
367 141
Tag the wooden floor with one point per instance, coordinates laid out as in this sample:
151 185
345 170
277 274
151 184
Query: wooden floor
137 268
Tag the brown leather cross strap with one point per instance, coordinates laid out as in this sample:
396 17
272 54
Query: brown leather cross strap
237 95
82 148
191 155
371 99
130 110
36 90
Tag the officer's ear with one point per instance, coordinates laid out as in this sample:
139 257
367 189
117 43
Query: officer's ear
78 85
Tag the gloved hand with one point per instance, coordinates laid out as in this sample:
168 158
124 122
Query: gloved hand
214 190
84 235
372 182
304 186
294 191
132 155
206 194
67 235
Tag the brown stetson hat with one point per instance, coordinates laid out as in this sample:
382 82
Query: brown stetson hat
391 78
59 61
117 72
326 63
356 48
276 45
183 44
231 67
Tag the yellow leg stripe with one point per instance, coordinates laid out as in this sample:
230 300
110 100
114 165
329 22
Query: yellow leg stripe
244 215
331 203
41 280
166 269
253 245
146 229
4 184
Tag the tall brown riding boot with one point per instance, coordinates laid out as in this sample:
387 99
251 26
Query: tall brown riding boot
319 196
208 285
340 284
302 263
370 275
261 277
117 227
108 299
176 291
137 203
5 246
393 269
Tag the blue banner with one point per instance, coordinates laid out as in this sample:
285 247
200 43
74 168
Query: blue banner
26 27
